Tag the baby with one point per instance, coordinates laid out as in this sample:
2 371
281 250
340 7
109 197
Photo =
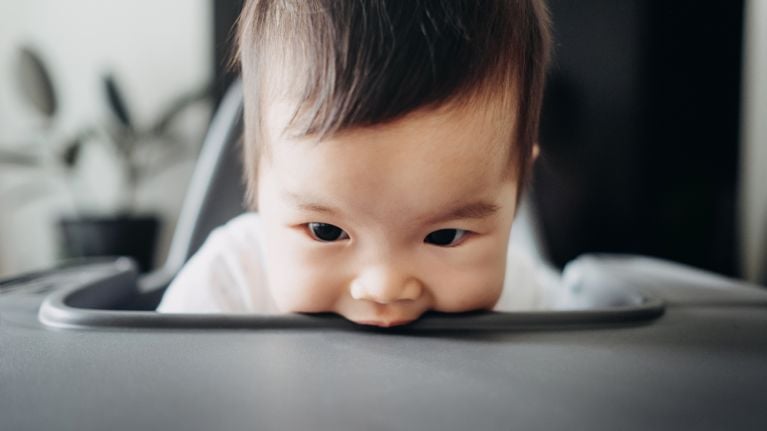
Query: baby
386 146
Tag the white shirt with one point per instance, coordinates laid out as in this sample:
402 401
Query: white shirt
227 275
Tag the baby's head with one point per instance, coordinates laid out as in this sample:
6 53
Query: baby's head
386 145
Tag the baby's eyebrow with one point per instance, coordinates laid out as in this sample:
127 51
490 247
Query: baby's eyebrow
473 210
309 204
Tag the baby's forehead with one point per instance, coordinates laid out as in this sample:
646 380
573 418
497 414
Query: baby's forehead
429 157
463 149
486 121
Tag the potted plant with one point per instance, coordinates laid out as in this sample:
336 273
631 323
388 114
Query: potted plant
138 153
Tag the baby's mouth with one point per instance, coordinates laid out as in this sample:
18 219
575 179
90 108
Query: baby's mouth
383 323
385 315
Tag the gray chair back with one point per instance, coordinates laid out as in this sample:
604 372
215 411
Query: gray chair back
216 190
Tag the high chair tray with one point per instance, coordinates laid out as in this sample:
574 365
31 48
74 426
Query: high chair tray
107 298
674 348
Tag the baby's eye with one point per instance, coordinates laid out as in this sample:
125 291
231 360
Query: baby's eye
445 237
326 232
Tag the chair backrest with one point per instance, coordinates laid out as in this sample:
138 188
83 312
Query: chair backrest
216 190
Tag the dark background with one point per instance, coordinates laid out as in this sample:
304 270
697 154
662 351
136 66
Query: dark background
639 133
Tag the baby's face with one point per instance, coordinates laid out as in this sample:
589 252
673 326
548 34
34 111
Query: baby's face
380 224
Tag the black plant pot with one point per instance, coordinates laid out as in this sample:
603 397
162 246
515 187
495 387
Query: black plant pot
133 236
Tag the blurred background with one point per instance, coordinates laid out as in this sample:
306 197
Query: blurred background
654 135
103 106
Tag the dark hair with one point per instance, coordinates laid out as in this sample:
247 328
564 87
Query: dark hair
366 62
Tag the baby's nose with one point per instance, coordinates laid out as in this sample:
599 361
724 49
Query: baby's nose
385 287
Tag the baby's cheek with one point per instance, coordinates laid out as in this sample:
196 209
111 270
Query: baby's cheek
468 291
475 284
300 283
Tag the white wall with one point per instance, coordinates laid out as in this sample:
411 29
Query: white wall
753 199
157 49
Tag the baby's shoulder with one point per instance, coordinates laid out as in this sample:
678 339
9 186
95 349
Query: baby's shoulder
224 275
248 222
241 231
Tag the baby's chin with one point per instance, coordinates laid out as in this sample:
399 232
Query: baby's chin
365 314
381 320
384 323
389 320
401 313
385 316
